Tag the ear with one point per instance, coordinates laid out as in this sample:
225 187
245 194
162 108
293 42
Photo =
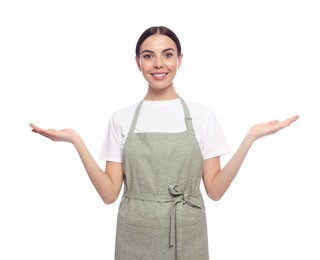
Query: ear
180 60
138 63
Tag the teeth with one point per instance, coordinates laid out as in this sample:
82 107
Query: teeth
159 75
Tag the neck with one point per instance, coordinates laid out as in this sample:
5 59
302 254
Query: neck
161 94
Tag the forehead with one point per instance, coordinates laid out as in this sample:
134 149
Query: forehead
158 42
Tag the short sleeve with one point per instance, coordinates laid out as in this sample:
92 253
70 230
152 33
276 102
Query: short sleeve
111 146
215 143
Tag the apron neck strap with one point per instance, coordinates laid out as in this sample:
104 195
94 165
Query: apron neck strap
135 118
187 117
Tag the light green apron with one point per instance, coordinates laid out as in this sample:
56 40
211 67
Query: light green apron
162 214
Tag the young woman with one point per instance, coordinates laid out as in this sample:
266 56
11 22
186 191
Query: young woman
160 149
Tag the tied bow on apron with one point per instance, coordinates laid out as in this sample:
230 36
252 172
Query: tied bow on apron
179 196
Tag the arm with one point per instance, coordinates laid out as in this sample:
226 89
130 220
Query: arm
216 180
108 184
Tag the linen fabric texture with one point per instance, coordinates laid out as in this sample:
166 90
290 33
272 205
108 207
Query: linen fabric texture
162 213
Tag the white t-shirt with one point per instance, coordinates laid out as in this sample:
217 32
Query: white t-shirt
164 116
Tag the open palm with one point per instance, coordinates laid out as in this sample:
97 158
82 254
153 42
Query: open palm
264 129
63 135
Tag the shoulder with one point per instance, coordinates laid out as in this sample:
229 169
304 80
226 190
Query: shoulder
125 112
121 118
199 110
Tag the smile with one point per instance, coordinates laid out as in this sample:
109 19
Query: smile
159 75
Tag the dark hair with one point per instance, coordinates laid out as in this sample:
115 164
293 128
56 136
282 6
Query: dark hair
158 30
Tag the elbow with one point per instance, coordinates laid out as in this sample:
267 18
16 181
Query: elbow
109 199
215 196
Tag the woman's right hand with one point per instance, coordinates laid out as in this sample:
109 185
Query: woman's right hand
63 135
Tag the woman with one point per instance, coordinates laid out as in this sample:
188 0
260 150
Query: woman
160 149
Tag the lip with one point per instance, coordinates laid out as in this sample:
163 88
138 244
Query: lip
159 75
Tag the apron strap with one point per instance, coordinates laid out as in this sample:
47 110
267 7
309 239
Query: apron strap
135 118
187 117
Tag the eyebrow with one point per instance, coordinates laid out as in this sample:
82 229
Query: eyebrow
168 49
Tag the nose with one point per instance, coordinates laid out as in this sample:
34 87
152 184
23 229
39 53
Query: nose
158 63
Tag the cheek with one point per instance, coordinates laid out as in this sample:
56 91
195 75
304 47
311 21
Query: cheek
174 65
145 67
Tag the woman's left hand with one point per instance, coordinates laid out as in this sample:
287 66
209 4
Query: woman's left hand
264 129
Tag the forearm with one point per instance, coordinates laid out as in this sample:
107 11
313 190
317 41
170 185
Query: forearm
101 181
223 179
218 181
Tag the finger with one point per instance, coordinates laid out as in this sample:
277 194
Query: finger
48 134
36 129
294 118
41 131
284 123
290 120
33 126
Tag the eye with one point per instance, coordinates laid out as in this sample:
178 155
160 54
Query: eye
147 56
168 55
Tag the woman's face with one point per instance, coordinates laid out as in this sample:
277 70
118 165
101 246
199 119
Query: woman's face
159 61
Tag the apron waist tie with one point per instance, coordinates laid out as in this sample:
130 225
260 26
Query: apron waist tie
177 195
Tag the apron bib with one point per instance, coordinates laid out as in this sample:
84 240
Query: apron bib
162 214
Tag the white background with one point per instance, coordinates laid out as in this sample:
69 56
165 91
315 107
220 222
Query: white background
70 64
